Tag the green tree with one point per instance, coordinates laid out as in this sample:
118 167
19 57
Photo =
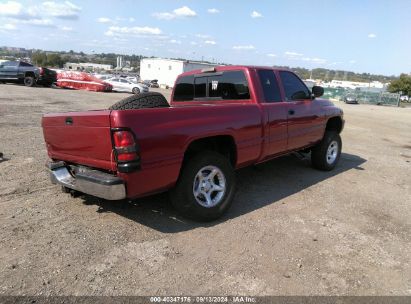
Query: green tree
39 58
54 60
401 84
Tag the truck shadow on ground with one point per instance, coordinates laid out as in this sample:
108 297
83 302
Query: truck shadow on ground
257 187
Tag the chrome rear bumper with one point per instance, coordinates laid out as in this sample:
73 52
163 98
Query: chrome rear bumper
93 182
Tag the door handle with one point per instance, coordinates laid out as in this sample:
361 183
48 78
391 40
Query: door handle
291 112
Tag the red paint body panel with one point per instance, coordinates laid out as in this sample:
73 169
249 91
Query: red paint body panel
259 130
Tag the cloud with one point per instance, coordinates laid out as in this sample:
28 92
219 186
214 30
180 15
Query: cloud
314 59
182 12
271 55
135 30
104 20
11 8
352 61
372 35
292 55
256 14
39 22
131 19
211 42
174 41
298 56
66 28
213 11
203 36
63 10
8 27
164 16
243 47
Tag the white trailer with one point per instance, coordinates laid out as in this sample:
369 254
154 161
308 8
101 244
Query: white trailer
167 70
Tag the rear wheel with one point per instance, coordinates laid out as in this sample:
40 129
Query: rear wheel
205 189
29 81
326 154
139 101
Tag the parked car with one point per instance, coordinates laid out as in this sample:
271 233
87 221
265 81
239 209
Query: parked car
351 99
151 83
133 79
23 72
404 98
218 120
124 85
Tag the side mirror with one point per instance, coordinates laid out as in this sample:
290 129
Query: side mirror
317 91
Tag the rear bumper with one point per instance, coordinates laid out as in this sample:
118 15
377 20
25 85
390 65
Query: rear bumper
93 182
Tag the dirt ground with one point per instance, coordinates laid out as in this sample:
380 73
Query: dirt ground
292 230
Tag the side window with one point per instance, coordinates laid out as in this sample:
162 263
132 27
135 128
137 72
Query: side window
184 89
229 85
293 86
200 87
270 85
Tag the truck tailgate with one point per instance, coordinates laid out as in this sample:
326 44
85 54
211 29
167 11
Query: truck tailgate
79 137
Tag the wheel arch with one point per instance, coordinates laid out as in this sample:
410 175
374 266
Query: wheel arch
223 144
334 124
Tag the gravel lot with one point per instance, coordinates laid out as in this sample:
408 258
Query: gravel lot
291 231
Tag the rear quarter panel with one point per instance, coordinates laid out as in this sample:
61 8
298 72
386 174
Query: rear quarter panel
163 135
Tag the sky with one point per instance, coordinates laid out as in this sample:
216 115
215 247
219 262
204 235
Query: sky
360 36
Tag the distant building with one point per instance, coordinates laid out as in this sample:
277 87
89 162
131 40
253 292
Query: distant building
167 70
354 85
123 65
87 66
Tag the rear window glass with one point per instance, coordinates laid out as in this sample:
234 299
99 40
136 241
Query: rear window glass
184 89
200 87
226 85
270 85
229 85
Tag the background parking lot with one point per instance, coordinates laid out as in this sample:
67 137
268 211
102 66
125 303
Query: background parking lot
291 229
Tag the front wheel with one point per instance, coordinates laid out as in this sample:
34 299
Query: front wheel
326 154
29 81
205 189
135 91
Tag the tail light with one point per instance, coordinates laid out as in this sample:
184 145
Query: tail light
126 151
41 71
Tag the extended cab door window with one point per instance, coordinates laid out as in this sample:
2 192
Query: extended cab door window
229 85
294 88
275 114
270 86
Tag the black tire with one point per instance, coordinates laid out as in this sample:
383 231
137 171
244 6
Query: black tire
140 101
135 91
182 196
29 81
319 156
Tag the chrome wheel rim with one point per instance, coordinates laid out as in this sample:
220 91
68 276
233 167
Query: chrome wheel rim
332 152
209 186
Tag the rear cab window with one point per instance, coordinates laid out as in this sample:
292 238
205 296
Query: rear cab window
226 85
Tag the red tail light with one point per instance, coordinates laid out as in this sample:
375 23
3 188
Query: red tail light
125 146
41 71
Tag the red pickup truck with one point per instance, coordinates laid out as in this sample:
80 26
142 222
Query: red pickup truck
218 120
